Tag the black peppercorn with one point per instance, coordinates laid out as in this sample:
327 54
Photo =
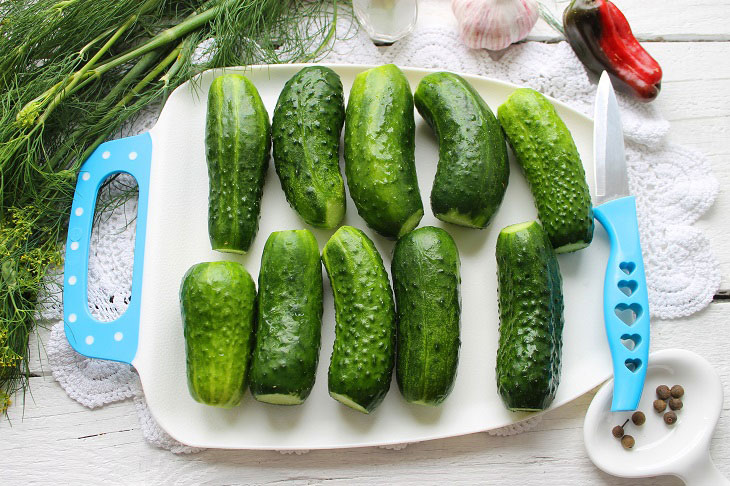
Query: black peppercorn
675 403
663 392
677 391
627 441
638 418
670 417
660 405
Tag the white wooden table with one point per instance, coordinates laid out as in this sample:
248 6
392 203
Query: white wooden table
57 440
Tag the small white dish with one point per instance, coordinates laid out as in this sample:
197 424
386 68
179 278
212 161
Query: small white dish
681 449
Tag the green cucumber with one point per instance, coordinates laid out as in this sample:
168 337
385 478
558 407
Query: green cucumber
426 280
546 151
218 301
530 317
237 141
380 151
362 360
289 319
306 136
473 168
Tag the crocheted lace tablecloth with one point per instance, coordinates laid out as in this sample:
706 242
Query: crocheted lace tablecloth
673 185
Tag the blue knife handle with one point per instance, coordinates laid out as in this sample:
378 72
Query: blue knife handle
115 340
625 275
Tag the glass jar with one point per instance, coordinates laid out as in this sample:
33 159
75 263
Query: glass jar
386 21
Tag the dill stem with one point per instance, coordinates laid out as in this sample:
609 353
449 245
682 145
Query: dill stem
143 63
177 66
169 59
81 72
165 37
63 4
95 74
172 57
87 47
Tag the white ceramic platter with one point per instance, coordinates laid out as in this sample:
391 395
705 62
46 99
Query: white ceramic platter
177 238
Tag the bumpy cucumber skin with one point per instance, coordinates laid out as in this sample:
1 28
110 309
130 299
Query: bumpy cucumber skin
218 301
289 317
530 316
380 151
426 281
473 168
306 130
363 355
238 142
546 151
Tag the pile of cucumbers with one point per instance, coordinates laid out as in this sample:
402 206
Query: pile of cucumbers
269 341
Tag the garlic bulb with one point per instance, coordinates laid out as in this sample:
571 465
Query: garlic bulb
494 24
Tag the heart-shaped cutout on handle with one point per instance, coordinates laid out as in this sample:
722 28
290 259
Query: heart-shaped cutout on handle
627 267
628 287
633 365
630 341
628 313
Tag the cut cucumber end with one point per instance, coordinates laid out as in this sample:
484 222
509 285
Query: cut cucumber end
217 402
426 403
230 250
411 222
516 409
279 399
571 247
334 214
518 227
454 217
345 400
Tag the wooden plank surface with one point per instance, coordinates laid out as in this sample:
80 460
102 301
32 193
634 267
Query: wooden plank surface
696 100
55 439
651 20
60 439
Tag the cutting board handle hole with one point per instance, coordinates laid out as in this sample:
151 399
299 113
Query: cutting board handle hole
115 210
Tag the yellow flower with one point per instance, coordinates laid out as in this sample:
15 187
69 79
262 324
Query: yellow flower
8 357
5 402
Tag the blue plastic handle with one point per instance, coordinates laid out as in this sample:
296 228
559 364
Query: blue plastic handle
625 299
116 340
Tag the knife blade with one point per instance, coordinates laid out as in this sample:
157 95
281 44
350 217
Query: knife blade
608 145
625 296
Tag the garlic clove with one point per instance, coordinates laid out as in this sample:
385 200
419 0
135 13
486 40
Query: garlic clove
494 24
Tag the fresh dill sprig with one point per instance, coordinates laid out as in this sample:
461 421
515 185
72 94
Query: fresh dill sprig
72 73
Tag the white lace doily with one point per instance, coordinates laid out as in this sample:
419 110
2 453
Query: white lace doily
674 186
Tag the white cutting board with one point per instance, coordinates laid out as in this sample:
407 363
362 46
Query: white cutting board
177 237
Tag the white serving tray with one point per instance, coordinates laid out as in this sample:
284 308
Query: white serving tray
177 237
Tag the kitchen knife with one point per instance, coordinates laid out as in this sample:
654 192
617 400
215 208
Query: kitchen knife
625 297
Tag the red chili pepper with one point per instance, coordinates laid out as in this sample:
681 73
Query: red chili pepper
602 39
